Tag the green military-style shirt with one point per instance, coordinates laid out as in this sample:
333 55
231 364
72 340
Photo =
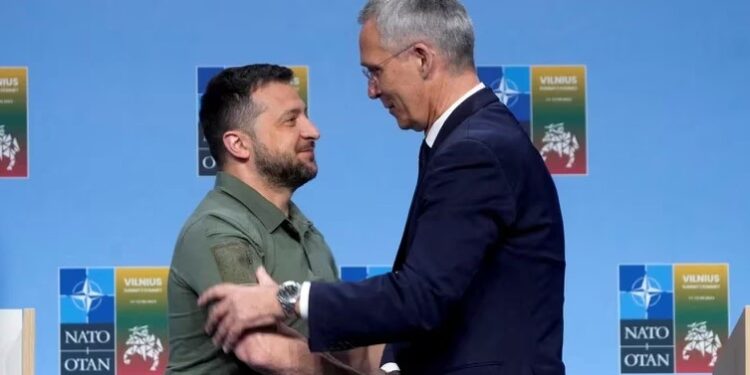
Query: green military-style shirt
232 232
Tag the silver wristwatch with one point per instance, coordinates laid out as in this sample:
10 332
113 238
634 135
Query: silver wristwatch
288 295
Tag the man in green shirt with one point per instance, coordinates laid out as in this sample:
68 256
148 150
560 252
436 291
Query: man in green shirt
258 133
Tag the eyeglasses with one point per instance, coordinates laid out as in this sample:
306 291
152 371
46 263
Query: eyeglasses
373 72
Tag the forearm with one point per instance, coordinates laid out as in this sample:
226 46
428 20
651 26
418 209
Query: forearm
285 352
310 364
364 359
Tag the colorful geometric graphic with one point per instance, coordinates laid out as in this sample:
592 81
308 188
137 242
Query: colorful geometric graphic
113 320
206 163
14 132
701 315
359 273
142 336
661 323
550 104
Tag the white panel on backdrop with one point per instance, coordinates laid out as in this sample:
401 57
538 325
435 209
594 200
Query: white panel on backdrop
11 342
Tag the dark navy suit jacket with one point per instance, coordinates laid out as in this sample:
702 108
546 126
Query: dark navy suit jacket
477 286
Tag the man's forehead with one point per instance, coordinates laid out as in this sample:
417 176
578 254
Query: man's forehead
370 48
277 92
280 104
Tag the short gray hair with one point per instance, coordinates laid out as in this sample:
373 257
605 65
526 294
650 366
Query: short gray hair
444 23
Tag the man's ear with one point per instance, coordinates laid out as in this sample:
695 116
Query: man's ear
426 59
237 143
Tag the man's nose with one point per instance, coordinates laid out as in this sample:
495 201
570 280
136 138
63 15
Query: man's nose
309 130
373 89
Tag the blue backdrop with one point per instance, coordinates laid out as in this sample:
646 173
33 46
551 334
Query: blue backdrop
113 138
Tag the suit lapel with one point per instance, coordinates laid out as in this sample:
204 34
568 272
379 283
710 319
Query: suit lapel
405 238
465 110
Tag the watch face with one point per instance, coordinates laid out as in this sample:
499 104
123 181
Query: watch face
287 296
289 289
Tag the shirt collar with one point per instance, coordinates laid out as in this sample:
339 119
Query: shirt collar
299 221
269 215
438 124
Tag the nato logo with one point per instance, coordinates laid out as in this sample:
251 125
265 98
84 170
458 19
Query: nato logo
359 273
87 295
646 319
87 329
646 292
512 85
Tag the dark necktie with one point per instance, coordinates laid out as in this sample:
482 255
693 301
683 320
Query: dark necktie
424 151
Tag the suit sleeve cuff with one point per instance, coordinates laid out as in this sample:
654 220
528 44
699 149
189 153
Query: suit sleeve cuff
304 300
390 367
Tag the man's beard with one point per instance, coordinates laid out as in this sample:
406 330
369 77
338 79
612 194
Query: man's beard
281 170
